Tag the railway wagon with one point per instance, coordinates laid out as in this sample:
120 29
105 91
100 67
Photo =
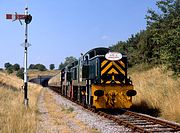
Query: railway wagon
98 79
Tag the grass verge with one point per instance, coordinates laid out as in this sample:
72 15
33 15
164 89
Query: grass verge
157 93
14 117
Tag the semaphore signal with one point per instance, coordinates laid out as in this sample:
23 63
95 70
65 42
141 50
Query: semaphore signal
27 19
15 16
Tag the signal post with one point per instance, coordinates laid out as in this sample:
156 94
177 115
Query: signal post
27 19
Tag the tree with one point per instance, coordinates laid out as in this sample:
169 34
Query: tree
16 67
40 67
31 66
20 73
51 66
68 60
61 66
164 33
7 65
135 47
10 70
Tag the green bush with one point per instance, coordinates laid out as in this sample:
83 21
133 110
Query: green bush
7 65
10 70
20 73
16 67
51 66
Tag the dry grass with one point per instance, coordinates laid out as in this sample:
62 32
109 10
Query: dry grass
10 80
14 117
54 80
36 73
156 90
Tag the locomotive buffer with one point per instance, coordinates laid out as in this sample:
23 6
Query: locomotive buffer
27 19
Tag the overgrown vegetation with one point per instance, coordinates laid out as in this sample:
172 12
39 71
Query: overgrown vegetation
11 68
20 73
39 67
157 93
160 42
14 117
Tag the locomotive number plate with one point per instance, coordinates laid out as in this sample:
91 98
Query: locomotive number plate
113 56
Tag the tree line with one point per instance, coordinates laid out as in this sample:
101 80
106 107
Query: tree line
10 68
160 42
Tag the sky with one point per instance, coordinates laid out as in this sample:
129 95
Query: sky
63 28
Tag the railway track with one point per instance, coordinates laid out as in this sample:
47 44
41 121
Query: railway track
135 121
141 123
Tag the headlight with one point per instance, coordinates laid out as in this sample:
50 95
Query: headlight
99 93
131 93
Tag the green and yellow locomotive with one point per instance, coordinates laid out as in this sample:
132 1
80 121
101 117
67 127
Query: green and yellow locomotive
98 79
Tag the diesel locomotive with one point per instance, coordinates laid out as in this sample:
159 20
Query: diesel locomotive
98 79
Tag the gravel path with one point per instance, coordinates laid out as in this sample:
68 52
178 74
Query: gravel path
45 124
56 118
94 121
